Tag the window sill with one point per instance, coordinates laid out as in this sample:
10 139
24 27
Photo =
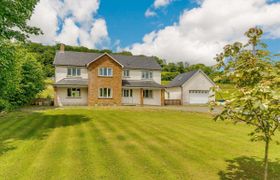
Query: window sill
105 76
73 76
105 98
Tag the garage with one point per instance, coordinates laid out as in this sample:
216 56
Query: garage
193 87
198 96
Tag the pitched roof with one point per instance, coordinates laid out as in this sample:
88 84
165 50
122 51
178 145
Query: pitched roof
141 83
70 58
181 79
72 81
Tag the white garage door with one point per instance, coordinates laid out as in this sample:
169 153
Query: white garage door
199 96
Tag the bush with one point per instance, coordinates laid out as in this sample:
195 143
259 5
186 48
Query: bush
4 105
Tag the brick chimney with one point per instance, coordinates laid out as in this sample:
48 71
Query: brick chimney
62 47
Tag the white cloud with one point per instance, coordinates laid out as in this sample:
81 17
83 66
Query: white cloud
99 31
150 13
78 23
69 33
161 3
45 17
81 10
202 32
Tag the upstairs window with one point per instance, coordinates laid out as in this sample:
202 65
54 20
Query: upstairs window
105 93
74 92
105 71
148 93
126 73
73 72
147 75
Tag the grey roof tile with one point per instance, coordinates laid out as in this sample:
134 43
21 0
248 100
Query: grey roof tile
70 58
72 81
181 79
141 83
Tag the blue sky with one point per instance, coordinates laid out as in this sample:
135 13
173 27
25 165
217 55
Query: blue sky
126 21
176 30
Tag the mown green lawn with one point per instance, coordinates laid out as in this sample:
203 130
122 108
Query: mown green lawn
127 143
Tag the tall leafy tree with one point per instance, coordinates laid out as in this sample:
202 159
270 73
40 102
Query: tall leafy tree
13 19
256 101
9 74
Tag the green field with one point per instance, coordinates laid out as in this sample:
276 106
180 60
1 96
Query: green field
127 143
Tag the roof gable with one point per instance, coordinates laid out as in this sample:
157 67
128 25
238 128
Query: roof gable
184 77
105 54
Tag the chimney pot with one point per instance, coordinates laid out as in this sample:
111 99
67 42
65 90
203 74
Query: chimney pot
62 47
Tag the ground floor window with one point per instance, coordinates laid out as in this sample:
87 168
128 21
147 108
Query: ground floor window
105 93
148 93
74 92
127 93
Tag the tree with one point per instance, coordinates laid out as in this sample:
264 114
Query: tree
257 83
180 67
8 75
206 69
168 76
13 16
31 80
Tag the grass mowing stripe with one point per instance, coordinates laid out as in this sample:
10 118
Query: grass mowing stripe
17 127
125 157
177 149
7 123
157 164
157 149
48 163
75 154
108 162
12 168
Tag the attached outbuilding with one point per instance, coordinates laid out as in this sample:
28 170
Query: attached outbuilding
190 88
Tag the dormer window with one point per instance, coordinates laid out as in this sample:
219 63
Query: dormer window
147 75
74 72
105 71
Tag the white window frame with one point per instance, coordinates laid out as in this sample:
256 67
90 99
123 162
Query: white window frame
103 93
148 93
147 74
199 91
104 71
74 72
127 93
74 92
126 73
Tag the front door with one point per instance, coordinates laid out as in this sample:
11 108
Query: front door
128 96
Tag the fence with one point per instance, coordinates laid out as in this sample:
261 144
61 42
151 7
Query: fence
172 102
42 102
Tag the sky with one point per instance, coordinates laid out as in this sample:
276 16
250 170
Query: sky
176 30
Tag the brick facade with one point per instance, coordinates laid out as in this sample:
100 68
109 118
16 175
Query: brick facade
96 82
